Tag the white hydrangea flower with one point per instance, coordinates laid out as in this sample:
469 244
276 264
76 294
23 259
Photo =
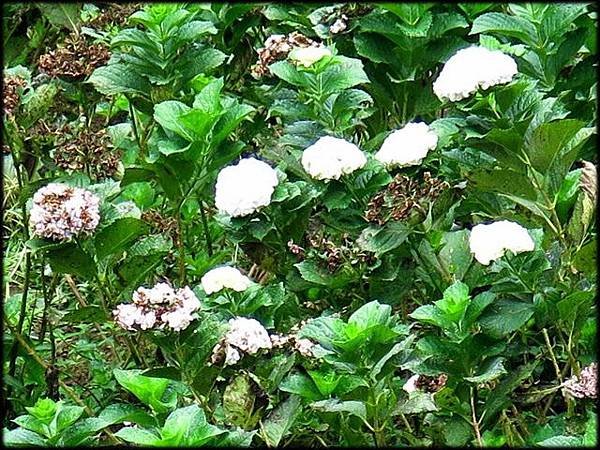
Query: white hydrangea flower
307 56
244 336
407 146
304 347
248 335
158 307
411 384
61 212
224 277
489 242
330 158
245 187
472 68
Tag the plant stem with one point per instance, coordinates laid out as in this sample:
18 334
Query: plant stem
207 236
474 420
552 356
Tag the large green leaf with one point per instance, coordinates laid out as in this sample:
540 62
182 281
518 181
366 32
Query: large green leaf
505 316
73 260
118 78
118 235
280 421
505 25
158 393
187 427
381 240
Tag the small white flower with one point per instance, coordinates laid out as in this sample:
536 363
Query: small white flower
472 68
407 146
127 315
224 277
178 319
61 212
489 242
330 158
245 187
307 56
304 347
411 384
248 335
146 321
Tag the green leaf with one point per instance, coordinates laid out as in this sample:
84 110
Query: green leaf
67 416
187 427
288 72
168 115
546 142
158 393
313 273
280 421
581 218
300 384
561 441
505 182
356 408
505 316
62 15
119 78
381 240
22 437
370 315
417 402
238 402
455 301
138 436
71 259
118 235
491 370
505 25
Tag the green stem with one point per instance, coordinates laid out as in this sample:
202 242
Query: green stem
207 236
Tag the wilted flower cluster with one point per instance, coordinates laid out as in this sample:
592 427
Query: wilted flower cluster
472 68
277 47
61 212
11 94
339 25
245 336
585 385
301 345
158 307
407 146
401 196
77 58
489 242
115 14
224 277
329 158
425 383
91 150
162 223
245 187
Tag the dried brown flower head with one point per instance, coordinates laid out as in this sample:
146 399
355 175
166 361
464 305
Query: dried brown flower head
277 47
401 195
89 150
11 94
75 59
116 14
162 224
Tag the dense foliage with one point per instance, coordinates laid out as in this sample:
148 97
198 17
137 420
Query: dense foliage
350 224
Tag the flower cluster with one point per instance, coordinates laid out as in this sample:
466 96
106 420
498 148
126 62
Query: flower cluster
329 158
425 383
407 146
472 68
158 307
245 187
61 212
11 93
245 336
489 242
401 196
89 150
301 345
77 58
224 277
584 385
277 47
